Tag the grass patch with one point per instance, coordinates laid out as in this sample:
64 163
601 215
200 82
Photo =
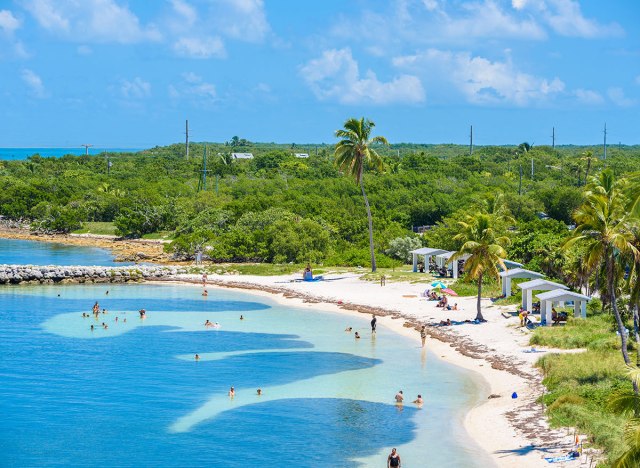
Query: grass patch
594 333
98 228
463 288
579 386
160 235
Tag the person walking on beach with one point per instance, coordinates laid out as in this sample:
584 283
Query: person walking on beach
423 335
393 460
374 320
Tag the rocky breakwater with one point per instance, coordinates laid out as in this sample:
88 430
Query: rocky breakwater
16 274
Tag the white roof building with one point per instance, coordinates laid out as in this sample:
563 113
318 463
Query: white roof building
301 155
547 299
536 285
242 155
508 275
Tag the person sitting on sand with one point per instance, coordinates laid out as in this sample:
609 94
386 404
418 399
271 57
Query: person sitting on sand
455 306
308 274
445 323
232 392
418 401
399 397
357 336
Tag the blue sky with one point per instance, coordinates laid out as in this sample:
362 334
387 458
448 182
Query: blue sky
119 73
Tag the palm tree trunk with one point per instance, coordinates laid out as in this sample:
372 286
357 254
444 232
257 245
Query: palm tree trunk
366 204
616 313
479 314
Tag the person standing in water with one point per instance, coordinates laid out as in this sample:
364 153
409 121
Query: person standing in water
399 397
393 460
374 321
232 392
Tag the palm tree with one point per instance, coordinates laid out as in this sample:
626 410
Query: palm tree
588 157
486 251
353 154
604 229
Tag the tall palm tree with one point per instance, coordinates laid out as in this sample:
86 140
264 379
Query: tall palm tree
486 250
353 154
587 156
605 231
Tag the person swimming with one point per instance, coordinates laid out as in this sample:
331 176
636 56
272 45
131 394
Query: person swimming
259 391
208 324
348 329
357 335
197 357
419 401
241 317
143 313
205 293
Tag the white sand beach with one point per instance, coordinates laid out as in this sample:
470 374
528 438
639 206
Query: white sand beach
513 431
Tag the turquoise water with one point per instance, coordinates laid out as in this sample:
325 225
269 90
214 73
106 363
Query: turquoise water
26 252
133 395
24 153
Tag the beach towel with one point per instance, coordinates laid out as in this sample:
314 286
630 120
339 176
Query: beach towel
563 458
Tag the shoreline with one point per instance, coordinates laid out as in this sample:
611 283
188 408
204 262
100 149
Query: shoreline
512 432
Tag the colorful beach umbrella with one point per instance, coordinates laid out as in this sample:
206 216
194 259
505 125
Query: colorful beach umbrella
438 285
450 292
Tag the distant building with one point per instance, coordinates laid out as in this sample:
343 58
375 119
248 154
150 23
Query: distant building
242 155
301 155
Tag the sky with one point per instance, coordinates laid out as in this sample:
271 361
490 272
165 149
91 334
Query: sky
118 73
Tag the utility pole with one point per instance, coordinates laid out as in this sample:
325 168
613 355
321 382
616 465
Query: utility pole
531 168
186 144
605 141
86 149
520 182
553 138
471 141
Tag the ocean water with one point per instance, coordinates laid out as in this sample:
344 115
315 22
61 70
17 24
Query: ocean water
132 395
27 252
24 153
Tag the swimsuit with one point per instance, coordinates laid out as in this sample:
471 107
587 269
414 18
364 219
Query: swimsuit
394 461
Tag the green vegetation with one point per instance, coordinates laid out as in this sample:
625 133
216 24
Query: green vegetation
97 227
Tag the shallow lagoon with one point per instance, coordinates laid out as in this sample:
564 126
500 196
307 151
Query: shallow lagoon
133 395
29 252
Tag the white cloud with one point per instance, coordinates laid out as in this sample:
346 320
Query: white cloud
482 81
618 97
335 75
588 96
244 20
188 14
135 89
91 20
193 87
8 23
34 83
565 18
200 47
